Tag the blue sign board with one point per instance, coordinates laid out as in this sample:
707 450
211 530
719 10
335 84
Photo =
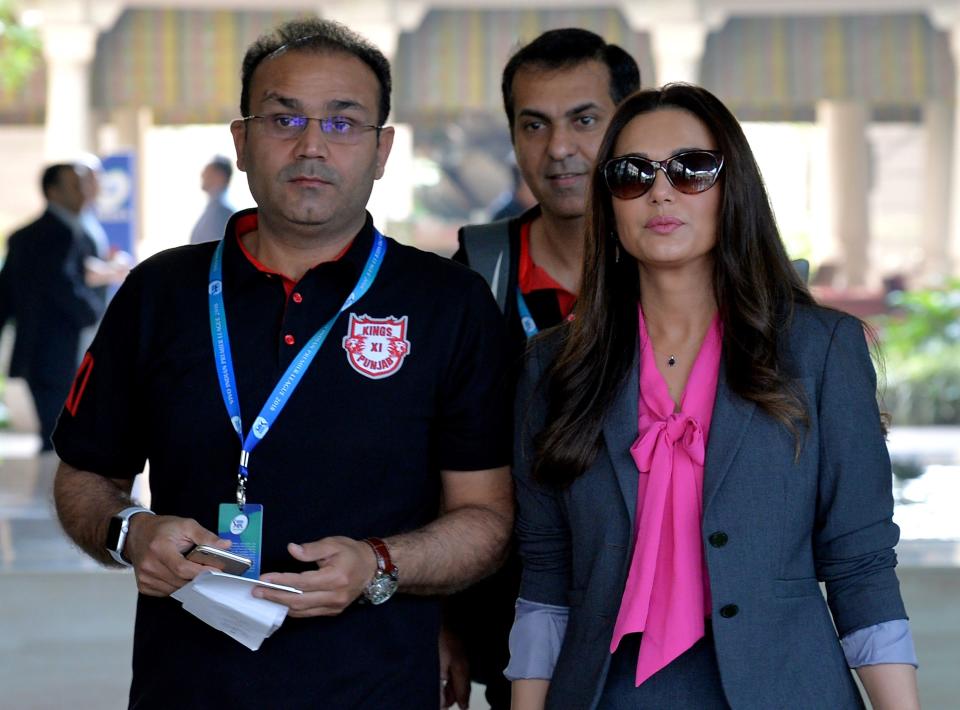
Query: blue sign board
117 202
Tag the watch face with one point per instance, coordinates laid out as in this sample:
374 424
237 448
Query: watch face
113 533
380 589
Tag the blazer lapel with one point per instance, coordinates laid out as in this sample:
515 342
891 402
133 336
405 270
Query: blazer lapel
731 415
619 433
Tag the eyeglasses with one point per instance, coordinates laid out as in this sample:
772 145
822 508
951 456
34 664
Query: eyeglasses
336 129
630 176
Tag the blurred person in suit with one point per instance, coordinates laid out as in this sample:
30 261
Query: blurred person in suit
43 289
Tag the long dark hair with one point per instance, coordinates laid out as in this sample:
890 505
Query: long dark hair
754 283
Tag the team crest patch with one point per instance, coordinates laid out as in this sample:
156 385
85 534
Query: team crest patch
376 347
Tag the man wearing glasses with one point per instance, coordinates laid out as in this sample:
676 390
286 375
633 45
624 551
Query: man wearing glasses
206 359
559 92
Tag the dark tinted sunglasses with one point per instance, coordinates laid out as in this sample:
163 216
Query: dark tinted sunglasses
690 172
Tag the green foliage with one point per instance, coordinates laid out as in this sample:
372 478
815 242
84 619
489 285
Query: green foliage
19 48
921 344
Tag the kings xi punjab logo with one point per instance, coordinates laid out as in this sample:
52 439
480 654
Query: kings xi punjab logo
376 347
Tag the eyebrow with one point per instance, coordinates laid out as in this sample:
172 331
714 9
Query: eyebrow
677 151
578 109
581 108
296 105
285 101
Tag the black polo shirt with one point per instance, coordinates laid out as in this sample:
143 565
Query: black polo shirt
351 454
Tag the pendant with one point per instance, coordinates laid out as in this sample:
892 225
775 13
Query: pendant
672 360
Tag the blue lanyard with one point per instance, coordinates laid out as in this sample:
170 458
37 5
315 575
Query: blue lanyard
526 318
291 378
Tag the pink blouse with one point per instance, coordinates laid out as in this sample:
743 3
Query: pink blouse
667 595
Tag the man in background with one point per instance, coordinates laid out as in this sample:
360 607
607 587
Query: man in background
105 267
214 180
44 291
559 93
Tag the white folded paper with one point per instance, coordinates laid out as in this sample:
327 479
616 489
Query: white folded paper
225 602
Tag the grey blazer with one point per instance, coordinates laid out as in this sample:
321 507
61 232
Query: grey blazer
772 528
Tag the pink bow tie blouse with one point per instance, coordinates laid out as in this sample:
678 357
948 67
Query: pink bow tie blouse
667 595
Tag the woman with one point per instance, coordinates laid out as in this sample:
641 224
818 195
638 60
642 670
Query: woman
696 450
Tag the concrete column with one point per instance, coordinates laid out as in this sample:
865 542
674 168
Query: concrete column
845 176
678 34
68 49
380 21
946 17
677 50
953 241
938 127
68 32
127 129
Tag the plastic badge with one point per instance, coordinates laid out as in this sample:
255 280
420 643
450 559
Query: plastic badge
244 528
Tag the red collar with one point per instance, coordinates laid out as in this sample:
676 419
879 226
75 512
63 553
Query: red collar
531 277
250 222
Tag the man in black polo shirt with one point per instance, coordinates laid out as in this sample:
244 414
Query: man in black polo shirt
400 408
559 93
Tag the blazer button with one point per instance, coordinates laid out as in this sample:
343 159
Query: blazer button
729 611
718 539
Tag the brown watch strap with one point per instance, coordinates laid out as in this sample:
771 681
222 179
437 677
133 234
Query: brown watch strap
384 564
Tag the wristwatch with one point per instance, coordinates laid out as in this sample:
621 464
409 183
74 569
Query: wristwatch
384 582
117 532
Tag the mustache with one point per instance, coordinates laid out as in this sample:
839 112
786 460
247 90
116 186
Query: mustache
563 167
315 170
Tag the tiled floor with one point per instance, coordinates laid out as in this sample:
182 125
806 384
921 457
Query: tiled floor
65 623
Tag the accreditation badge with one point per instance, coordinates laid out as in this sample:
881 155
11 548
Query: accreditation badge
244 528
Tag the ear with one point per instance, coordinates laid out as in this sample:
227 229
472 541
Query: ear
383 150
239 130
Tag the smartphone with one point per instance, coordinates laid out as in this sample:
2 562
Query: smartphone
221 559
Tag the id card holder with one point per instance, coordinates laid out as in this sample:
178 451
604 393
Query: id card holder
244 528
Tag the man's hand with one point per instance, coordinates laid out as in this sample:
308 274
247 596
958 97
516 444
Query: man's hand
454 671
344 569
155 545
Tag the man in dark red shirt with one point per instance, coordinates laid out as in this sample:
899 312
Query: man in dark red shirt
559 93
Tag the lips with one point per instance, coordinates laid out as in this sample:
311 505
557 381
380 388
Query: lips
663 224
566 181
307 180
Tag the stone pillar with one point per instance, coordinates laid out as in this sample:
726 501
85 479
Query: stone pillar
946 17
845 175
938 128
68 32
127 129
677 51
68 49
678 34
380 21
953 240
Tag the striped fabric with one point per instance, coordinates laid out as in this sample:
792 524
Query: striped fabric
453 62
777 68
186 63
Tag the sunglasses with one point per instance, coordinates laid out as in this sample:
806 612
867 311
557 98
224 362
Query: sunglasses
630 176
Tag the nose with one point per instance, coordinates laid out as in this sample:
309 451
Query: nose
312 143
561 144
661 190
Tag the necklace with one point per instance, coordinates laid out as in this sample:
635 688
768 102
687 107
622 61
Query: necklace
672 361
